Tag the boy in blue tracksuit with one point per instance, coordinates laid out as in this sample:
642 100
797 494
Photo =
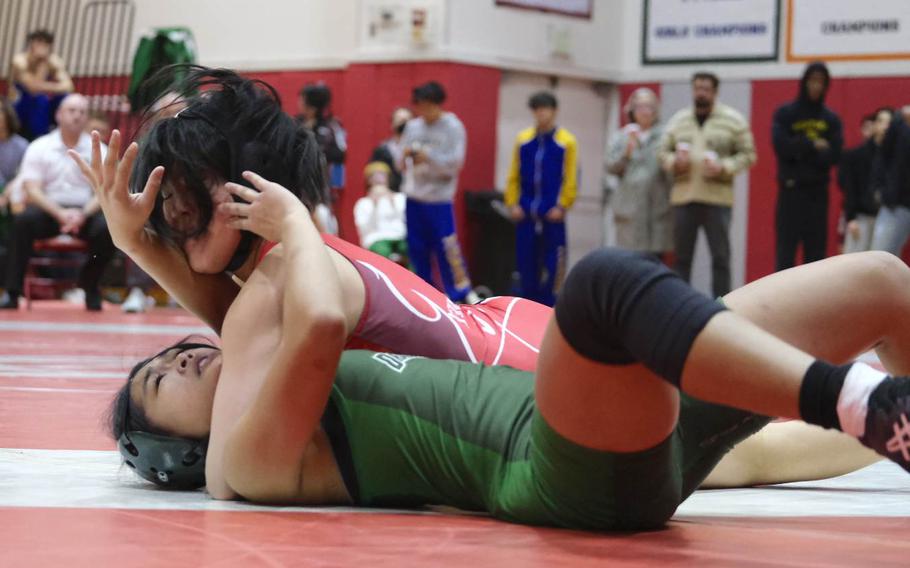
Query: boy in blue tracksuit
433 150
541 187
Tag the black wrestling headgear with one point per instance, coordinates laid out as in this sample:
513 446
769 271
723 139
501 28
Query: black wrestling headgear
168 461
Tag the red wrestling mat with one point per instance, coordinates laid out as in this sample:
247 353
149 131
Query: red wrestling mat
86 537
59 367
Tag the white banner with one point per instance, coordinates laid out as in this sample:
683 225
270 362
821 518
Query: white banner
848 29
682 31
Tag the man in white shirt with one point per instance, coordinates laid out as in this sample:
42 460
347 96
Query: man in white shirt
60 200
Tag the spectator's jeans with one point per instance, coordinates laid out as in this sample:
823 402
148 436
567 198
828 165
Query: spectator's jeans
892 228
863 241
716 221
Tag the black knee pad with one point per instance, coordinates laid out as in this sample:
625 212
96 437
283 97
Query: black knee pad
619 307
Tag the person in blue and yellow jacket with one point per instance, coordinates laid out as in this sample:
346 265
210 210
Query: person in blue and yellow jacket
541 187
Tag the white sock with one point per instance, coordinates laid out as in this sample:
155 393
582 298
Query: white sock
853 401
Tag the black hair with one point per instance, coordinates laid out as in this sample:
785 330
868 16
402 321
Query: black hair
230 124
706 76
12 119
814 67
42 35
431 92
542 99
317 96
868 118
123 414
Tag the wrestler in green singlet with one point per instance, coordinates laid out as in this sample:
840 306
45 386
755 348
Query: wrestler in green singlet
409 431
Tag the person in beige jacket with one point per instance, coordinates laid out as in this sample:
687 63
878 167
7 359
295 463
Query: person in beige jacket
704 147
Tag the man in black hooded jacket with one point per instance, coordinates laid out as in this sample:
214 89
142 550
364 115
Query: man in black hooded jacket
807 138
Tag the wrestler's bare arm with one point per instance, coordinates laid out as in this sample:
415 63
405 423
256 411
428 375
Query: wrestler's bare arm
208 296
265 451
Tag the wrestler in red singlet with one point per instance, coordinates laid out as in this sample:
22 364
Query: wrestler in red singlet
404 314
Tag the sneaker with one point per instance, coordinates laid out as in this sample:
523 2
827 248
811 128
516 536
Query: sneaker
93 301
74 296
135 303
888 421
471 298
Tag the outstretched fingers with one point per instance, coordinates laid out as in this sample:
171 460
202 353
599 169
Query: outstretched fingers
96 155
85 169
113 154
125 166
152 186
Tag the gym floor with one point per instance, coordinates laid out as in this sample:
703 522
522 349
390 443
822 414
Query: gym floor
65 499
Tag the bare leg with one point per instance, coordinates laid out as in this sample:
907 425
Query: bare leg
605 407
736 363
836 309
789 451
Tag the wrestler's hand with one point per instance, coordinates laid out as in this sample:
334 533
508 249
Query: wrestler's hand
266 210
125 212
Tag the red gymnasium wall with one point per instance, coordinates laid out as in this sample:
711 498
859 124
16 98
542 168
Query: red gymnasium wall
364 96
851 99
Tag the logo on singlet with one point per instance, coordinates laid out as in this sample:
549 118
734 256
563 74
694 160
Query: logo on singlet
395 362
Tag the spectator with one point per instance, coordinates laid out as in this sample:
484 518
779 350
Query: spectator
12 147
313 105
389 152
892 226
861 197
807 139
38 82
704 147
434 148
542 183
641 204
60 201
379 215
